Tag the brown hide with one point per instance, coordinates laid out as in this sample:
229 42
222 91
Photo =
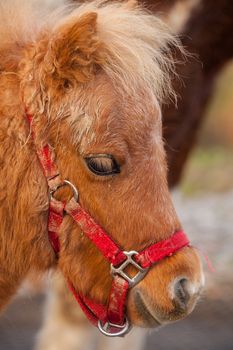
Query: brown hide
208 35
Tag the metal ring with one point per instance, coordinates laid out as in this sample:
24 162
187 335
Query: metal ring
65 183
105 329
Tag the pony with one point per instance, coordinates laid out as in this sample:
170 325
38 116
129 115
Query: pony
91 79
181 123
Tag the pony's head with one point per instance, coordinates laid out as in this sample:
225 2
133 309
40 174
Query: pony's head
93 82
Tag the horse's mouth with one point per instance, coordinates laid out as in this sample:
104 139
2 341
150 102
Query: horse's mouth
149 319
151 316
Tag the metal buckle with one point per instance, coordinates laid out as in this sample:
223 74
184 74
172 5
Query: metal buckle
106 329
130 261
65 183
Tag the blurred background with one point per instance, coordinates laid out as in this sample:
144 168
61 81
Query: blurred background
204 202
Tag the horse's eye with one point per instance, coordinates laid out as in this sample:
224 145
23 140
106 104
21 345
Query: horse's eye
102 164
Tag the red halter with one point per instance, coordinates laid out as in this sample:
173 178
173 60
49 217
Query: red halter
111 320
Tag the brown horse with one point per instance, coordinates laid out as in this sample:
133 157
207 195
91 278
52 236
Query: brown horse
211 51
92 78
180 126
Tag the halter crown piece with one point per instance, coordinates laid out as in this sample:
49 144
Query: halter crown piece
111 320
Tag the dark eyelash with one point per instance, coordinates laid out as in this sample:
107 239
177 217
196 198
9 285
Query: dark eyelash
102 165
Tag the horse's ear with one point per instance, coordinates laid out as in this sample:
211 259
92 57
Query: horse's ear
74 49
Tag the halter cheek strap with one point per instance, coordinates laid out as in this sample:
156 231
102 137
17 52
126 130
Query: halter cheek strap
111 319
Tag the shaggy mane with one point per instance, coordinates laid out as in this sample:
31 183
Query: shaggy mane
139 45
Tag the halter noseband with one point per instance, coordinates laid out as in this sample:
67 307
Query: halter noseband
111 320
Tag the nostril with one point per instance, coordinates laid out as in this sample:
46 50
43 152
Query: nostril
181 292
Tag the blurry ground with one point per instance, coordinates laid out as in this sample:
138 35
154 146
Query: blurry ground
205 206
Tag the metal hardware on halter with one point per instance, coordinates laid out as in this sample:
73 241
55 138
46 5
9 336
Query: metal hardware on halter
106 329
119 270
65 183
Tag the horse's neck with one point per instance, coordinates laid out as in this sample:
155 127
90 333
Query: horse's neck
23 195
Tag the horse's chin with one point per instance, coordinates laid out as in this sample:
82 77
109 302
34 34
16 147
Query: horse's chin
142 314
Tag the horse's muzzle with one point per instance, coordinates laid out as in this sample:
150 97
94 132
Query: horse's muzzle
168 296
